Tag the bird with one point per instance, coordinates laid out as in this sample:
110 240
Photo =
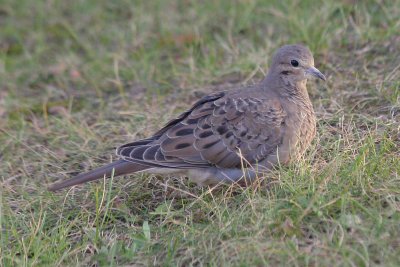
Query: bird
230 135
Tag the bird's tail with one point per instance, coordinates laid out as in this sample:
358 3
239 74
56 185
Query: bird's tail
120 167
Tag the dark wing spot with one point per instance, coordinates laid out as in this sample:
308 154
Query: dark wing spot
222 129
210 144
206 126
229 134
242 133
183 132
181 146
205 134
191 121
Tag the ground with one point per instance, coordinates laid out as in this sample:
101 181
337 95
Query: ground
78 78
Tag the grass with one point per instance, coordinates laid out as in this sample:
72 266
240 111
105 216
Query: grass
78 78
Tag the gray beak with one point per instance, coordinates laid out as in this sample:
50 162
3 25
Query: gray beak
313 71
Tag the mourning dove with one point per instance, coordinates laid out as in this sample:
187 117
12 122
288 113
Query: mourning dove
229 135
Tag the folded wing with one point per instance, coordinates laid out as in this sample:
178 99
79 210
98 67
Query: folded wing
216 131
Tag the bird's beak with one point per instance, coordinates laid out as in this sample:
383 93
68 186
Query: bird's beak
313 71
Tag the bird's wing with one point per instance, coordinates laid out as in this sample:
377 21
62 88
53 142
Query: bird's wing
214 132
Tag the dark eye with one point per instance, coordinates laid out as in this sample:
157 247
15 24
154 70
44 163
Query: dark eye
294 63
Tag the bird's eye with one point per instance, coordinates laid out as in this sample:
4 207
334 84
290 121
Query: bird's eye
294 63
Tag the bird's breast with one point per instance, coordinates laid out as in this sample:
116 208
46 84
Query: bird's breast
301 129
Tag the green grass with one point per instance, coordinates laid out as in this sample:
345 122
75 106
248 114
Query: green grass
78 78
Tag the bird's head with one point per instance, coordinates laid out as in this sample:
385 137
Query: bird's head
294 64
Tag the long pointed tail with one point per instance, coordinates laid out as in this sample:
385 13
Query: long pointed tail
120 167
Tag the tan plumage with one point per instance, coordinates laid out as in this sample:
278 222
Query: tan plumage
268 123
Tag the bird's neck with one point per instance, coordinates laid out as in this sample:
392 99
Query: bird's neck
286 87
